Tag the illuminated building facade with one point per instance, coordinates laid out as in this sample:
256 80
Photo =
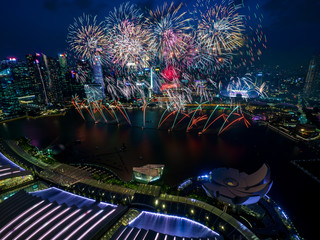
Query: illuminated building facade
97 73
20 75
312 85
9 104
66 77
36 76
22 84
53 80
148 173
45 76
93 92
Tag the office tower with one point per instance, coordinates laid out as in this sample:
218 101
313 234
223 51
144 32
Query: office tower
312 84
52 79
36 74
72 80
45 76
259 79
9 104
65 77
97 74
22 80
76 86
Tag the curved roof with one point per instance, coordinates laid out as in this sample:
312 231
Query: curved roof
27 216
172 225
5 161
57 195
232 186
9 169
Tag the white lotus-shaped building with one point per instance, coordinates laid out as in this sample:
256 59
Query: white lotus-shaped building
234 187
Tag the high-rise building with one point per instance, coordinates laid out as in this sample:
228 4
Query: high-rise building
22 81
9 104
45 76
312 85
23 85
83 74
8 62
97 73
63 61
65 77
95 90
259 79
52 79
37 78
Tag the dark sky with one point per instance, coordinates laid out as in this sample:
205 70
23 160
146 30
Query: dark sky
27 26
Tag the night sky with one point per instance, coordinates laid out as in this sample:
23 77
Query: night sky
291 26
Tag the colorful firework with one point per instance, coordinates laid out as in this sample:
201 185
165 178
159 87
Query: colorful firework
199 60
232 31
125 12
168 29
126 87
254 38
187 56
219 34
128 40
130 46
243 87
87 38
220 29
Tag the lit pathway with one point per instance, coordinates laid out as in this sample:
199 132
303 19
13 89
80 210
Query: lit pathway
214 210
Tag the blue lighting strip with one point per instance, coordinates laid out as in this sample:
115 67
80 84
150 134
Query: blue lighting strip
91 201
5 161
172 216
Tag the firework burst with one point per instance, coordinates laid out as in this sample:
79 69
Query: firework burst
130 46
168 29
219 33
87 38
244 87
125 12
165 38
255 39
128 40
220 29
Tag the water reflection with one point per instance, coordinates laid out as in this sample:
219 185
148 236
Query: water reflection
184 154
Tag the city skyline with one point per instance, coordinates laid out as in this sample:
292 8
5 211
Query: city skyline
195 119
289 28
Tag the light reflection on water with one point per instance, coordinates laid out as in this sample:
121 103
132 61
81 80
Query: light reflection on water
184 154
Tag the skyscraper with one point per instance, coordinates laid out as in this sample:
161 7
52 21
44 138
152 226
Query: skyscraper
9 104
65 77
312 85
45 76
37 78
52 79
22 79
97 73
71 79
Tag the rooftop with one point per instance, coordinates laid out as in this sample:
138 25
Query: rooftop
149 169
53 215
